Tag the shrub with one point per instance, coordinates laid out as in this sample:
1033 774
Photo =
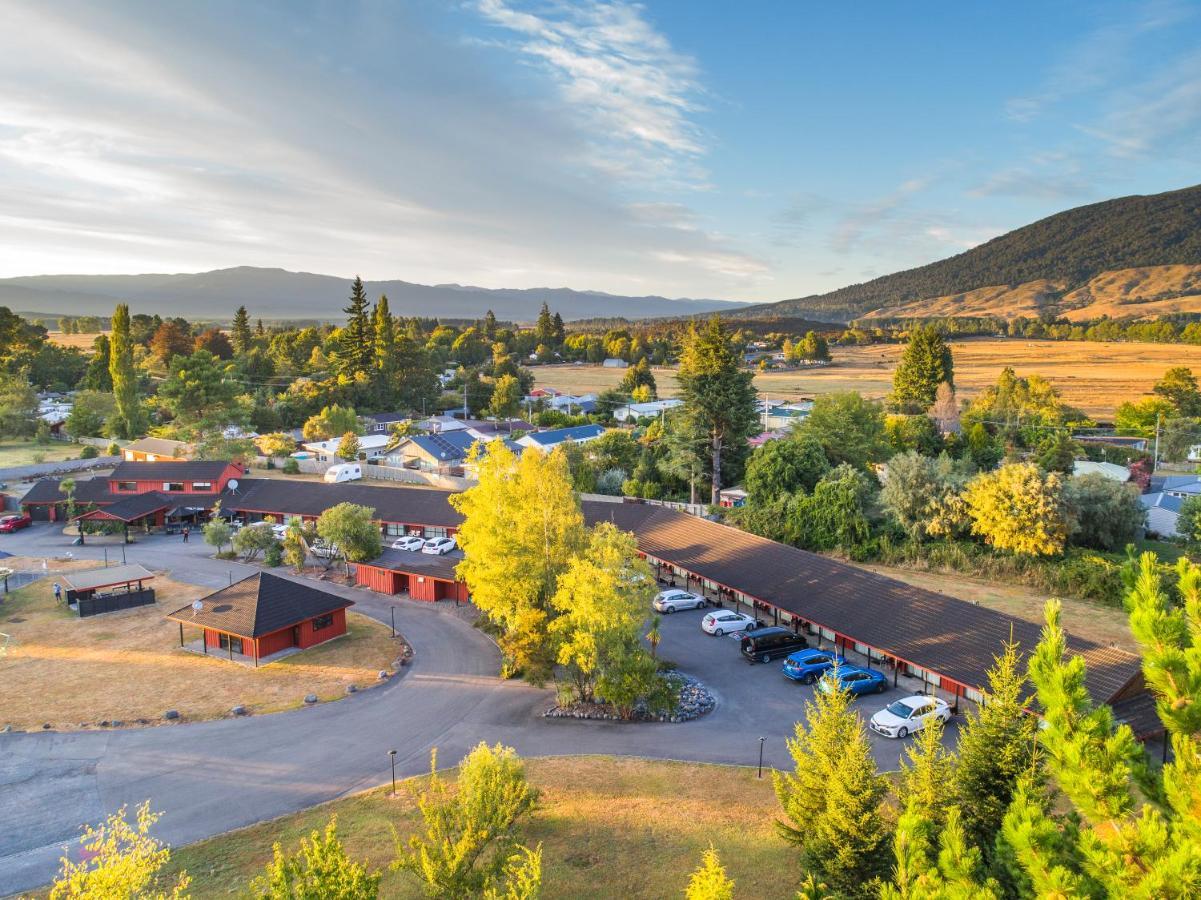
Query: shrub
291 467
114 449
274 555
89 452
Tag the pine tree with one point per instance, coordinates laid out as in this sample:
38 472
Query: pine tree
128 421
558 329
718 397
383 328
833 798
489 326
544 330
709 881
98 376
925 364
259 330
242 338
355 347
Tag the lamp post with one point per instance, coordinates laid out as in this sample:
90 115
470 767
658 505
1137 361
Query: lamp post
393 610
761 742
392 757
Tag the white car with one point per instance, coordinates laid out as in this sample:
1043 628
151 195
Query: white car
909 714
280 530
725 622
438 546
670 601
409 542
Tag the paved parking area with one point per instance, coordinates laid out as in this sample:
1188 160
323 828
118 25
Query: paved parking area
756 698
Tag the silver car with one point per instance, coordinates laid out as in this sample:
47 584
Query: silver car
671 600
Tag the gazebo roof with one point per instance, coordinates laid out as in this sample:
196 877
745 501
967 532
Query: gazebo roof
94 579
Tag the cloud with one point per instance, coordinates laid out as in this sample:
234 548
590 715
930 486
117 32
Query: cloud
1155 114
862 220
1098 60
1046 176
621 79
350 138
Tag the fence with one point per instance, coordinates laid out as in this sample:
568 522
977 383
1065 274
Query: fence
415 476
96 604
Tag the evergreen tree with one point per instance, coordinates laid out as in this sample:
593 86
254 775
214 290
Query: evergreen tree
354 349
996 749
833 798
709 881
1058 453
259 330
242 337
544 329
128 421
98 376
718 397
489 326
925 364
638 375
558 329
383 328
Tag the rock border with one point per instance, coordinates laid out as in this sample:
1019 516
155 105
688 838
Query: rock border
696 700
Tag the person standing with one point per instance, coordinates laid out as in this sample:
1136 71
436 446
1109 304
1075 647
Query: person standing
58 592
186 533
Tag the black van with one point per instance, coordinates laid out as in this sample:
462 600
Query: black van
766 644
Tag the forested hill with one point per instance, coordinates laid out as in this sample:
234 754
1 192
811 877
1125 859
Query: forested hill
1068 248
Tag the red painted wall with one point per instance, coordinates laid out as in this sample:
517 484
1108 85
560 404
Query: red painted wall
383 581
310 638
420 587
233 470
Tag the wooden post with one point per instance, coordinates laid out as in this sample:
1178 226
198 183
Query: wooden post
204 640
230 644
256 652
181 634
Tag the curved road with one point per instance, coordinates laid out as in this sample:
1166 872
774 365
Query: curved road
210 777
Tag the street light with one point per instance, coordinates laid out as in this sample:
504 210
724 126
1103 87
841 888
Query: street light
392 757
393 629
761 741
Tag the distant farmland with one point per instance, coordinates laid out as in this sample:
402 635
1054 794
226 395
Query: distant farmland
1094 377
82 341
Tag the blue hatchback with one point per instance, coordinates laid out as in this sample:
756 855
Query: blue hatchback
855 679
806 666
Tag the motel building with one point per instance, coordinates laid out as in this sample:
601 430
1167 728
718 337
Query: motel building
925 640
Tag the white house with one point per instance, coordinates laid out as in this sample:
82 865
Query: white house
1111 471
613 363
785 415
370 445
1163 512
546 441
645 410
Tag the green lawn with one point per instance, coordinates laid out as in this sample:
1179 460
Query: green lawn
608 828
26 453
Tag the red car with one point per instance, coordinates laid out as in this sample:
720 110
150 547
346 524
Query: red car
9 524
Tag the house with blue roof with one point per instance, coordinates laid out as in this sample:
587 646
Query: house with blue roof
1163 513
546 441
444 453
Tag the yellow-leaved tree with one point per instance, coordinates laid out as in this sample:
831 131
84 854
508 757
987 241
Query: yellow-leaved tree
522 525
1019 508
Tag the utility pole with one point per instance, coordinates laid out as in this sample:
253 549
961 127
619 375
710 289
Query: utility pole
1155 455
464 399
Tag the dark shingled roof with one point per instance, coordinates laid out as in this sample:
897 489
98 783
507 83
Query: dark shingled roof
87 490
415 506
417 563
942 634
129 508
260 604
1139 712
188 470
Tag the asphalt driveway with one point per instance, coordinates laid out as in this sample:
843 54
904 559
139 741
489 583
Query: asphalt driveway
210 777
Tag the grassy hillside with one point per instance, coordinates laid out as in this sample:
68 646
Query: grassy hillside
1066 250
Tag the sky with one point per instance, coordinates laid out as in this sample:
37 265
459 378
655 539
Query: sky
746 151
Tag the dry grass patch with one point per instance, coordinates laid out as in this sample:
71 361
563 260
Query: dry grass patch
81 341
127 666
1082 618
608 827
22 453
1094 377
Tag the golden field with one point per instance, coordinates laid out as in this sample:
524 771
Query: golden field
1094 377
82 341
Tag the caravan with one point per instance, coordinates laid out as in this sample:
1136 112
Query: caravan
343 472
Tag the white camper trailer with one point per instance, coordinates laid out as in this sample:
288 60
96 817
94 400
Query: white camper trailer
352 471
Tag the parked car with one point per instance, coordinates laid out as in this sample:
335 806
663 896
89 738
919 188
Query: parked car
909 714
671 600
806 666
323 550
411 542
856 679
9 524
725 622
439 546
765 644
279 530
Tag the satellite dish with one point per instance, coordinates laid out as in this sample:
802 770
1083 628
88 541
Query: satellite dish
232 484
197 606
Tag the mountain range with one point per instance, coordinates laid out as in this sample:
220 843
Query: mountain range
1131 257
279 294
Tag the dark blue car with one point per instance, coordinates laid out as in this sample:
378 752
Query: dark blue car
856 679
806 666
